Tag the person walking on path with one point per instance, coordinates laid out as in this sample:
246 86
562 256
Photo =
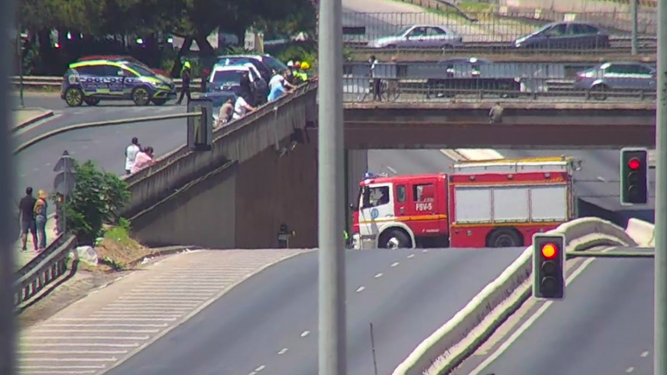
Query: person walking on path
186 77
41 207
131 154
26 208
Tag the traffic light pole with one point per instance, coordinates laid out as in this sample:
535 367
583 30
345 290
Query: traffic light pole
6 186
660 300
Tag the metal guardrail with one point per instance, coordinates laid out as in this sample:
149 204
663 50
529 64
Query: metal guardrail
472 89
50 81
43 269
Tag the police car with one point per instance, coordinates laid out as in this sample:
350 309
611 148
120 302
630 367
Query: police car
93 81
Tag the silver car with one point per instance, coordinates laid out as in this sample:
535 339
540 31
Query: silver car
616 76
419 36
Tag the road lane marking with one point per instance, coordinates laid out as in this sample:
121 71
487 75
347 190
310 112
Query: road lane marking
129 314
395 264
106 325
85 338
120 319
260 368
100 367
379 275
425 251
56 372
305 333
529 322
282 351
83 344
144 309
644 354
411 256
97 330
360 289
108 359
72 352
630 369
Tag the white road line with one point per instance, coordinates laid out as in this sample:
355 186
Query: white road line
106 325
62 367
182 290
630 369
97 331
425 251
56 372
411 256
85 338
526 325
148 299
260 368
360 289
120 319
283 351
82 344
145 308
395 264
153 304
111 359
305 333
136 314
379 275
644 354
72 352
252 373
167 293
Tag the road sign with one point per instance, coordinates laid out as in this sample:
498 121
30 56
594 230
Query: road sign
200 128
65 181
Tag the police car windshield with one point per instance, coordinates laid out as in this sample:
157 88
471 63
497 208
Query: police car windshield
231 76
143 71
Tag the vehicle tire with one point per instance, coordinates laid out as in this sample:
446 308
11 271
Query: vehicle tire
141 96
599 92
390 46
92 101
74 97
505 237
446 46
159 101
395 239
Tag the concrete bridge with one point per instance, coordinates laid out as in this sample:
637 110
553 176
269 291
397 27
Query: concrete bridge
262 171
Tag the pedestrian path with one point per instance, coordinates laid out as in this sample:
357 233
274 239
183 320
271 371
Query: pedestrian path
95 333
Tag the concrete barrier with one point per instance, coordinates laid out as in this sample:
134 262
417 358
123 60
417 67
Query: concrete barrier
239 141
641 232
439 352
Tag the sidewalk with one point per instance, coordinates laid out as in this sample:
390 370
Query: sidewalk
26 116
24 257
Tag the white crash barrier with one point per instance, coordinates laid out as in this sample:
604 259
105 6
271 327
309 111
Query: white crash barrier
581 234
642 232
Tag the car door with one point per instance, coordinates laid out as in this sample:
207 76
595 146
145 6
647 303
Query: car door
425 219
92 79
643 78
435 37
416 38
616 76
376 208
115 80
553 37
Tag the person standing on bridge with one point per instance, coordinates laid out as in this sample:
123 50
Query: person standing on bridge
376 83
131 155
26 207
40 218
144 159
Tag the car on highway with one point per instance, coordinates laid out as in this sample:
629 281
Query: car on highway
225 82
616 76
96 80
565 35
419 36
265 64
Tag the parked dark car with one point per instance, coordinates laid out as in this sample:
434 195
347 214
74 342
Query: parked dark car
225 81
565 35
616 76
265 64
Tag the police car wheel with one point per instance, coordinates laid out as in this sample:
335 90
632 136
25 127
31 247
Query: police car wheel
92 101
73 97
159 101
141 96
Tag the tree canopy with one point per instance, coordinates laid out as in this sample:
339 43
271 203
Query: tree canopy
187 18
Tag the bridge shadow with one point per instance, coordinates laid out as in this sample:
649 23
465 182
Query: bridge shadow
618 216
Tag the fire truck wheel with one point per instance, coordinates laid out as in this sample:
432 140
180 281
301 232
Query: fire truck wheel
505 237
395 239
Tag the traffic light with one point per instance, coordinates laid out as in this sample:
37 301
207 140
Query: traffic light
634 176
548 266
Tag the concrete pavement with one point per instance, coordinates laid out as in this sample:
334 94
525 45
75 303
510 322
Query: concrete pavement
604 326
110 324
268 324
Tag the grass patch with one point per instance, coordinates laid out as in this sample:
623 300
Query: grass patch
117 250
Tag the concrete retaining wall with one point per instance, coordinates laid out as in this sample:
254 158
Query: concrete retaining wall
580 234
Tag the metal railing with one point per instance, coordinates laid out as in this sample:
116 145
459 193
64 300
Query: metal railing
53 82
356 89
43 269
500 25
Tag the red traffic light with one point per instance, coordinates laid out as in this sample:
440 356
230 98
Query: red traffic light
634 164
549 250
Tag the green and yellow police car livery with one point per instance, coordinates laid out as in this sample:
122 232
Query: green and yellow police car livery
92 81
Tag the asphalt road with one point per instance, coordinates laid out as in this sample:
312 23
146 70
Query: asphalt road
269 322
604 326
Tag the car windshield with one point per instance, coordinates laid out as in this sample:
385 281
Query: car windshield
234 61
141 70
274 63
227 76
404 30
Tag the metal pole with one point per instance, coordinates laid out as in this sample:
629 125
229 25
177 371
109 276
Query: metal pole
330 194
7 10
660 299
375 362
633 10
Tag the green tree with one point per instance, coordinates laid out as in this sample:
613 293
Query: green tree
96 200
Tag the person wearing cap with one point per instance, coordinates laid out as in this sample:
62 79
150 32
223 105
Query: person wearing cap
40 218
186 76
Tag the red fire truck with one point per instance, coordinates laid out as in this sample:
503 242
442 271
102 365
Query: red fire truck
499 203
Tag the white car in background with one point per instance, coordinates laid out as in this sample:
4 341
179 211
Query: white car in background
420 36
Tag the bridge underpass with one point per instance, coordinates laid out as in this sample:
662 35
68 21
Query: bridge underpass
262 171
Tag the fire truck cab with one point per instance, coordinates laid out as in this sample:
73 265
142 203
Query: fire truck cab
499 203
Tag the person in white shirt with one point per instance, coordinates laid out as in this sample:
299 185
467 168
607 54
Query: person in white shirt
131 155
279 79
241 107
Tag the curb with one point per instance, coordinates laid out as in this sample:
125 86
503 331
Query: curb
33 120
